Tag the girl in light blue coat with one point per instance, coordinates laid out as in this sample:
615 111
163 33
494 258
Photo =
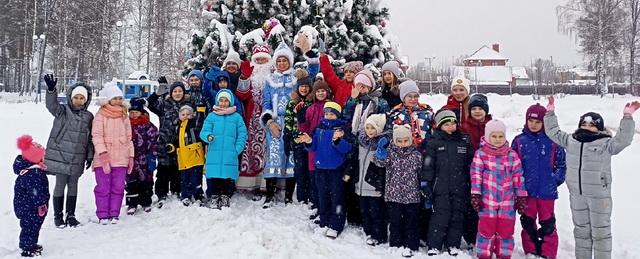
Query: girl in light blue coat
225 133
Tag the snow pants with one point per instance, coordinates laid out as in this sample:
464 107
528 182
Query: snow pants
301 173
30 230
592 226
541 241
219 186
495 233
109 191
374 217
139 193
331 198
191 183
445 226
403 225
167 178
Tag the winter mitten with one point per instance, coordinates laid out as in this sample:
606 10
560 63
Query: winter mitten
51 82
42 210
246 69
162 89
630 108
521 204
476 202
104 162
274 128
130 165
303 42
298 107
381 150
426 190
551 105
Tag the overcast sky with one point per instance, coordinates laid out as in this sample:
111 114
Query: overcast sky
525 29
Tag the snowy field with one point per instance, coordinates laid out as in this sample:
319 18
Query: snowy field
247 231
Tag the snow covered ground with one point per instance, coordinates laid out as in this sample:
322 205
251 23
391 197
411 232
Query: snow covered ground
247 231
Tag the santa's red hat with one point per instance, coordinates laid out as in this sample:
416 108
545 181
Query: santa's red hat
260 51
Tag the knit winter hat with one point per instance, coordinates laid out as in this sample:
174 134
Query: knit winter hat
175 85
444 116
461 80
232 56
353 66
494 126
593 118
80 90
479 100
283 51
186 107
197 73
260 51
110 91
378 121
137 104
226 94
393 66
302 78
31 151
318 85
365 77
332 107
536 112
407 87
401 131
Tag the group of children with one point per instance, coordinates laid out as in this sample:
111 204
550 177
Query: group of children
407 160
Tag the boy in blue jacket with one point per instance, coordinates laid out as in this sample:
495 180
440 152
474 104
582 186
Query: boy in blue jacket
331 147
543 162
31 194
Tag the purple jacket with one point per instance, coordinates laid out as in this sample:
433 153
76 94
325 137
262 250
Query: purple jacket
404 166
145 145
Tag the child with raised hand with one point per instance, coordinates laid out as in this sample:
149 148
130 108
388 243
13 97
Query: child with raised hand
445 175
589 151
331 147
139 185
497 191
543 163
403 162
70 149
225 133
111 136
31 194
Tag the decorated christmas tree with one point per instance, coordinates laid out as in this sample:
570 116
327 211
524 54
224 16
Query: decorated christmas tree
350 29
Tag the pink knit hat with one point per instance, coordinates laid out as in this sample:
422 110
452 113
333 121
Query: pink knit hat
494 126
31 151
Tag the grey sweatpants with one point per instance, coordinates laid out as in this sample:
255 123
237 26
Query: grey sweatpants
592 226
69 181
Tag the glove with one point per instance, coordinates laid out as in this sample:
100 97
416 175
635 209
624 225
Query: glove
426 190
162 89
274 128
42 210
88 164
130 165
246 69
322 48
298 106
476 202
521 204
381 150
551 105
104 162
630 108
151 162
51 82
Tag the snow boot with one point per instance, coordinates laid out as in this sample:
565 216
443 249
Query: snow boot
71 211
290 186
454 251
57 212
30 253
131 210
271 192
186 202
147 209
224 201
407 253
114 220
433 252
103 222
333 234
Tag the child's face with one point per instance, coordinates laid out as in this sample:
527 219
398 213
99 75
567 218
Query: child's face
402 142
588 126
223 84
478 113
177 94
459 93
497 139
116 101
387 77
370 131
534 125
304 90
185 115
411 100
449 127
194 82
78 101
232 67
321 94
364 89
135 114
223 102
349 75
330 116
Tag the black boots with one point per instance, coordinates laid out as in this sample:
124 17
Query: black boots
57 212
271 192
71 211
289 188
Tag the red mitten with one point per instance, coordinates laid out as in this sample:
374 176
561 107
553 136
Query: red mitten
130 166
630 108
476 202
521 204
246 69
42 210
551 105
298 107
105 159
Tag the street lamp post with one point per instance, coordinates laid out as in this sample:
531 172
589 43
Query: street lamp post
39 40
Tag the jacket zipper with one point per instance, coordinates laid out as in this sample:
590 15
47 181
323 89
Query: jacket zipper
580 168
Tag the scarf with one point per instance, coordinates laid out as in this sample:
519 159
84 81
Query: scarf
585 136
496 151
111 111
223 111
143 119
360 117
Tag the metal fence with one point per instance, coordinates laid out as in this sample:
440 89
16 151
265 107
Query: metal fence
528 90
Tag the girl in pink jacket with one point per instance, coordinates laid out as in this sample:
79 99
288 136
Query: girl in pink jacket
497 191
111 136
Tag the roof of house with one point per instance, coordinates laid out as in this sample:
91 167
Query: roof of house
486 53
486 75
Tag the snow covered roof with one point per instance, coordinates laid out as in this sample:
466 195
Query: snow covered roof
487 75
519 73
486 53
582 72
138 75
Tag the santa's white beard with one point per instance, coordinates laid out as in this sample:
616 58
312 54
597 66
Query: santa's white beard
260 73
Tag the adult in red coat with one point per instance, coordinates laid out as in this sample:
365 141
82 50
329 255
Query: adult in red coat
458 101
341 88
